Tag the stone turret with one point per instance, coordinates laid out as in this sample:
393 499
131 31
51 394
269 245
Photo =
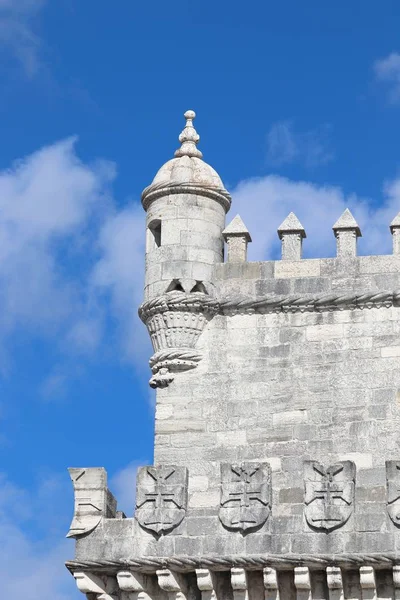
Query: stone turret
186 206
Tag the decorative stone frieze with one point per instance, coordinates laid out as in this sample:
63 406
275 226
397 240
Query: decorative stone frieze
175 322
329 494
93 500
393 490
245 495
161 497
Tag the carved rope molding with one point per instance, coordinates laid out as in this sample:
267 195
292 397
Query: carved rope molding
308 303
184 564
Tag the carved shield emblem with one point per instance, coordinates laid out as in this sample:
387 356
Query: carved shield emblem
393 490
161 497
245 495
329 494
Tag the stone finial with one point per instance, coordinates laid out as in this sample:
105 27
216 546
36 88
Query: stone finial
237 237
395 231
346 231
189 138
291 232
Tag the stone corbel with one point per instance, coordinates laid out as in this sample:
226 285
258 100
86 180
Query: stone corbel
135 586
175 322
206 582
335 583
271 586
396 581
95 587
173 583
239 584
302 583
368 583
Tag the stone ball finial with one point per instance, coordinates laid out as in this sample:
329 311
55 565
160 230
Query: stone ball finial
189 138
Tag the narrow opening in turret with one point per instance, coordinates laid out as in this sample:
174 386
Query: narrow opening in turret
175 286
155 230
199 287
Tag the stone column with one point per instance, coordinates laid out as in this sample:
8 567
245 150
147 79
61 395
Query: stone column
291 232
395 231
346 231
237 237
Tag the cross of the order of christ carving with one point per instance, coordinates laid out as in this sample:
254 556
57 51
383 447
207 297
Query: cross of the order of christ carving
247 493
329 494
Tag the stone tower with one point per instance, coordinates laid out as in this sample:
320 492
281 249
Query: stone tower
277 444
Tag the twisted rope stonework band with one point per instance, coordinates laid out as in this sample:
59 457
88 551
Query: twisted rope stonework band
184 564
325 302
267 304
164 358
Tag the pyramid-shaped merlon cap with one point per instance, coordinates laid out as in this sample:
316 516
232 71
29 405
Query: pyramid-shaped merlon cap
236 228
347 222
395 224
291 225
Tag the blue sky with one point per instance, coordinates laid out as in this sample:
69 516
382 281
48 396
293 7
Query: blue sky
298 108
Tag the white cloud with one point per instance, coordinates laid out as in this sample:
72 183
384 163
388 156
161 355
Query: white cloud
285 145
51 205
387 70
120 272
18 33
264 202
32 564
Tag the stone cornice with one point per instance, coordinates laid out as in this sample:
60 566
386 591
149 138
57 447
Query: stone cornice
154 191
186 564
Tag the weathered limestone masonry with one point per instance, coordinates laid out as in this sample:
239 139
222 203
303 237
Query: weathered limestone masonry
277 441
